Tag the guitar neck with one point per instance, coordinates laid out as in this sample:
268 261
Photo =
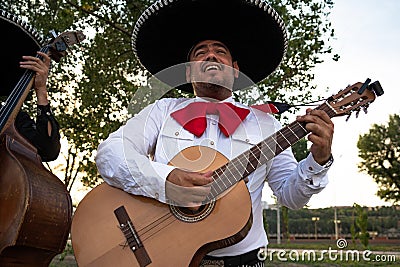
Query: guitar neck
247 162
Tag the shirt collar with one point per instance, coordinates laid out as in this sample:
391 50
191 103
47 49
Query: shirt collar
202 99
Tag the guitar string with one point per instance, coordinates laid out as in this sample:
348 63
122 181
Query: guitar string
19 89
285 133
162 222
161 228
25 79
157 222
14 96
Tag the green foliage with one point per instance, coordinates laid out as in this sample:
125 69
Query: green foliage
353 233
362 223
91 87
382 220
285 224
300 150
379 150
353 230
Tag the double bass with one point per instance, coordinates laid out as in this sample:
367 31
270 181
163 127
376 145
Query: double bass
35 207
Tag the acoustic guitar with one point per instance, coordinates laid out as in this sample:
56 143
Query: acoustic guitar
113 228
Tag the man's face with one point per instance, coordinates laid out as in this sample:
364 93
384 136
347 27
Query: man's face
211 67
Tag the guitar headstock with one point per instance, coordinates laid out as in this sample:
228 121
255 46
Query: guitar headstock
58 45
355 97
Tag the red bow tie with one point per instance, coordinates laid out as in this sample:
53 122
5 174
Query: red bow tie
193 116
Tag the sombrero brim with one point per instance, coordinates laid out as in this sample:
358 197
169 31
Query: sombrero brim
251 29
20 39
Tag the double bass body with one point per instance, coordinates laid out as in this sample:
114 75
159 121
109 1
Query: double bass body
35 207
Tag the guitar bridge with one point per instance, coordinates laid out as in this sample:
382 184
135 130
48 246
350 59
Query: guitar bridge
132 237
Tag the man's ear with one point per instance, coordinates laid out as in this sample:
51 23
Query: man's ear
188 71
236 69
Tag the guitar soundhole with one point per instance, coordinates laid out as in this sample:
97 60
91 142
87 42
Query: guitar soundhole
190 215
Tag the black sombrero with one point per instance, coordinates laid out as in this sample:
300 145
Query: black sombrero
252 30
19 39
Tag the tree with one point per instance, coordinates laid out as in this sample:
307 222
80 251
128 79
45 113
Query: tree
300 150
309 32
379 150
285 224
94 84
361 223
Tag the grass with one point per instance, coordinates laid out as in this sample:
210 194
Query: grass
65 259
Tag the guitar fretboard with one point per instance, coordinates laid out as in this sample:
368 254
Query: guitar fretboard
247 162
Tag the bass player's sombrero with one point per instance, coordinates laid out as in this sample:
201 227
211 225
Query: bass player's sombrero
19 39
252 30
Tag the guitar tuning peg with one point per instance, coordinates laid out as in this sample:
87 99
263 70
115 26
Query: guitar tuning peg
377 88
357 112
348 117
365 109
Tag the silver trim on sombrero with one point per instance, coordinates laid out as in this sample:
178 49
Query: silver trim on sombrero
152 10
23 25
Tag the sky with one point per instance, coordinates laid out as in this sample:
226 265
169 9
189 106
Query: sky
368 42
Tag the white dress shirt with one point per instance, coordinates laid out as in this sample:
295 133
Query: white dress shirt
135 158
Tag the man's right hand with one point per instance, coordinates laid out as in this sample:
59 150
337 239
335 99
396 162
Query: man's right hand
188 189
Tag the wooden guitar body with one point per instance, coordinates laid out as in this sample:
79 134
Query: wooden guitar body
113 228
171 236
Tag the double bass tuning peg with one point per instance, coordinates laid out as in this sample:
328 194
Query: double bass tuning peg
53 33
